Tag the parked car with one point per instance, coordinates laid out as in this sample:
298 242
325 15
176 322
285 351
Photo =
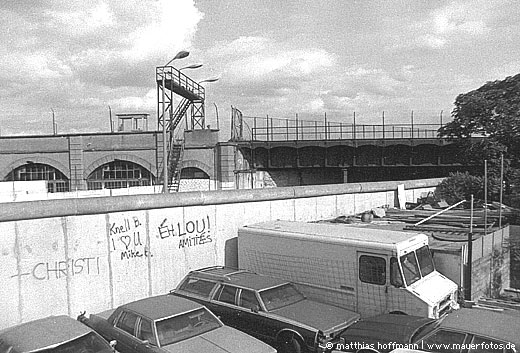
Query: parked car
170 324
53 334
270 309
461 331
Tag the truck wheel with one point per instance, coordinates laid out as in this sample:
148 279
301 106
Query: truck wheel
290 344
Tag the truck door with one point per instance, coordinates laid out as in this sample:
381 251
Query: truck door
372 284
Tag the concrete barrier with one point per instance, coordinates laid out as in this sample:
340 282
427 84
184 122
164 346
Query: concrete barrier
66 256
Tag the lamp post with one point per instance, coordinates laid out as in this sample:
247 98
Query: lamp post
180 55
213 79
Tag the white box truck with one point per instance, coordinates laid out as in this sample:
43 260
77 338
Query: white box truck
366 270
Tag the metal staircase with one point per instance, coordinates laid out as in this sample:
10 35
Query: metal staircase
179 113
175 155
171 81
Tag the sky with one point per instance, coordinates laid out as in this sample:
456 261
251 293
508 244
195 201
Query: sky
274 58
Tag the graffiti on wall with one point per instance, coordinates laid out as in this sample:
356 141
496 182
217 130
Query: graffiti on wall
60 269
191 233
128 238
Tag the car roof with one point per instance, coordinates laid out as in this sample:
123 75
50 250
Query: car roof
242 278
385 328
485 322
42 333
161 306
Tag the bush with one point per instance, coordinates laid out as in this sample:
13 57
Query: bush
460 186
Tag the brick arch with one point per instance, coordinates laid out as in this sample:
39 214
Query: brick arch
36 159
123 157
192 163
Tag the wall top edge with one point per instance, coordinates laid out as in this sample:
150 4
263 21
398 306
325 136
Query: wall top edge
17 211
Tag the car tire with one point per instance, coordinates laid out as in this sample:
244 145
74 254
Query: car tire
290 344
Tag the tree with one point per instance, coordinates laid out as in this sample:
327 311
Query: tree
460 186
493 112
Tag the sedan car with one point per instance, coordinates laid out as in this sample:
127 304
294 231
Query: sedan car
170 324
53 334
461 331
270 309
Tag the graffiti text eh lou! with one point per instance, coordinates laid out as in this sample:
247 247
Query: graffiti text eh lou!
190 233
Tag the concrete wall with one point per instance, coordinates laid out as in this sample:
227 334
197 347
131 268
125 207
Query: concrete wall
65 256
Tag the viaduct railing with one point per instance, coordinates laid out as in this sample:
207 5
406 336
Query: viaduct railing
274 129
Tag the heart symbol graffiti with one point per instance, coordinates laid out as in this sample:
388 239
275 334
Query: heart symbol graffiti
125 239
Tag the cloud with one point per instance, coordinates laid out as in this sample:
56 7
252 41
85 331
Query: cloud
270 77
82 20
265 67
457 21
76 55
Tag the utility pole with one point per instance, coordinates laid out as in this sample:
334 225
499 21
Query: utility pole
469 265
54 129
111 122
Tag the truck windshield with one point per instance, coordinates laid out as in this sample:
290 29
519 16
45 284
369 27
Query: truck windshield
424 256
417 264
410 268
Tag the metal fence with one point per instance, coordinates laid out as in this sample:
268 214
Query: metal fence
273 129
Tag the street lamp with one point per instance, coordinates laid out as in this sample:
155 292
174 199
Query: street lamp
180 55
213 79
192 66
209 80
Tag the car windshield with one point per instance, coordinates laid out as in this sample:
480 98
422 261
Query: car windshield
184 326
424 330
278 297
417 264
89 343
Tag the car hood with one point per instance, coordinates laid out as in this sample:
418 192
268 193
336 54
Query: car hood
324 317
222 340
385 328
433 288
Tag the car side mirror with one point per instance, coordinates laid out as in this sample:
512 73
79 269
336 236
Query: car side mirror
145 342
113 344
255 308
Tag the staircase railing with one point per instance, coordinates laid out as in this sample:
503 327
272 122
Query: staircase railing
179 112
175 156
